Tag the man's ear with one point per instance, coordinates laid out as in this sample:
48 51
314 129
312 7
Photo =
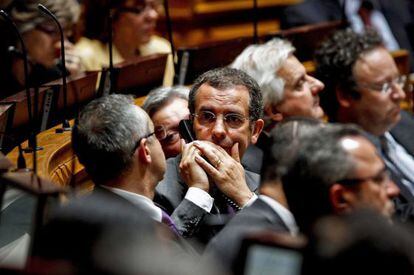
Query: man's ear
257 129
144 152
341 198
344 98
273 113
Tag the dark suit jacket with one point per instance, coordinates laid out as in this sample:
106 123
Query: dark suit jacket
252 159
397 13
403 133
259 216
191 220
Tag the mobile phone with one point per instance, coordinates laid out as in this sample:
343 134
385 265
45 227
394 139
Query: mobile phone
186 130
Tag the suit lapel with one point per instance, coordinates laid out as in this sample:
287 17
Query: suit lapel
403 132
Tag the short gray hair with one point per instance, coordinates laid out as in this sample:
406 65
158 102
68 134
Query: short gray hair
320 161
106 134
262 62
159 97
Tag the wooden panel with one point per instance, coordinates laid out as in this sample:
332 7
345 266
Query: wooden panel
200 21
56 162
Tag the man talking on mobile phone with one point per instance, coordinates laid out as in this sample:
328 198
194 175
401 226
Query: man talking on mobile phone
207 184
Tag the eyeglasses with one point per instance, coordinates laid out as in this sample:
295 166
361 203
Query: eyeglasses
139 141
386 87
141 7
166 137
381 178
231 120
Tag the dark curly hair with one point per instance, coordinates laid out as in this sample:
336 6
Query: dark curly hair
335 59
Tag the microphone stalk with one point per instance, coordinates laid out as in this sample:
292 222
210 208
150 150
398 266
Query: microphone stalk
65 123
170 39
32 135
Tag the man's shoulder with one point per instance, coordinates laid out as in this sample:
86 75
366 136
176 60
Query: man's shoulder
258 215
403 132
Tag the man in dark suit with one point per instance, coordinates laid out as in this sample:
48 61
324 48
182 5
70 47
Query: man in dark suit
270 210
336 170
115 141
396 18
364 87
207 178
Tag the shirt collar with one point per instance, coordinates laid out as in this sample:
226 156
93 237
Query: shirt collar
143 202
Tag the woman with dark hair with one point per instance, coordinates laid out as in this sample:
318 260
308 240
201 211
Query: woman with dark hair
134 22
42 40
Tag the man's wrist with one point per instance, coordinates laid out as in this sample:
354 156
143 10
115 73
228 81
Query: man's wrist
244 199
200 198
201 186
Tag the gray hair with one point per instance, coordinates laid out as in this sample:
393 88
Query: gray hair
159 97
262 62
106 135
320 161
282 144
26 14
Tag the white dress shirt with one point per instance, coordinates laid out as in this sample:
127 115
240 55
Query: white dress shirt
378 21
203 199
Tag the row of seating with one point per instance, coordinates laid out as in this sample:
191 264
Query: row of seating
57 162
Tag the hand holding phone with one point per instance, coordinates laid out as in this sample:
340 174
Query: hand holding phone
186 130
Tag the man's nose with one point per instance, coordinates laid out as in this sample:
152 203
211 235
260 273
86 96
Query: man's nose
392 189
398 93
219 129
316 85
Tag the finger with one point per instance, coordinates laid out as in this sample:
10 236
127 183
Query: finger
235 152
207 167
210 152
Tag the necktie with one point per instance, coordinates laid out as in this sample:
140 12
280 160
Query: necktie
395 164
365 12
166 219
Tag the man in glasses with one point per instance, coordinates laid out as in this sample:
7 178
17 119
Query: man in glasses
166 106
336 170
114 139
364 87
207 178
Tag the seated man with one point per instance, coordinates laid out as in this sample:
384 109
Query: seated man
270 210
286 88
114 140
336 170
166 106
364 87
393 20
226 109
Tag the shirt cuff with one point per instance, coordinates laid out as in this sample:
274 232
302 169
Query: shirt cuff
251 201
200 198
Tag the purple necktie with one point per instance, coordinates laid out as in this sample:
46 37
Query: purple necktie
166 219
